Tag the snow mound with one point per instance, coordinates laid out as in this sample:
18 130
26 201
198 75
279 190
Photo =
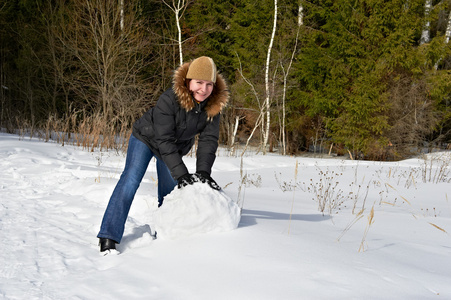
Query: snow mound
196 209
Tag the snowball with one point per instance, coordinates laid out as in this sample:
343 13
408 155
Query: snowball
196 209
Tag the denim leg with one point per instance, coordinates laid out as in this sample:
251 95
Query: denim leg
138 158
165 181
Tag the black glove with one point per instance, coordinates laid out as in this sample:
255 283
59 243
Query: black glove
186 179
206 178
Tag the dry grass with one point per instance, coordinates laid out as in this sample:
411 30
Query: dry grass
436 169
439 228
80 129
368 225
390 183
326 191
245 181
294 190
358 216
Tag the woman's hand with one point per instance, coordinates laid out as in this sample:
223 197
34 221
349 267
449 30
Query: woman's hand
206 178
186 179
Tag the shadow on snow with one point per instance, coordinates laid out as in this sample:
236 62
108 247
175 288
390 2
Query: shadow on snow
249 217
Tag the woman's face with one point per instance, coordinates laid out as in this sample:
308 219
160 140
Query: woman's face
201 89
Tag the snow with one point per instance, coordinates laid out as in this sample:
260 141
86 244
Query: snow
53 199
206 210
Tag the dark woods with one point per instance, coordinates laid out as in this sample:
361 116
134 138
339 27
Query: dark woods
369 79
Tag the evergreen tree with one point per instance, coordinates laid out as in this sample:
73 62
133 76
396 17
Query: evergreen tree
362 78
352 54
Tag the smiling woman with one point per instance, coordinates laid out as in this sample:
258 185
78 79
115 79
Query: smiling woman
202 77
167 131
200 89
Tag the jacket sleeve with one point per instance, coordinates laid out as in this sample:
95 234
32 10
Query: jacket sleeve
164 117
207 146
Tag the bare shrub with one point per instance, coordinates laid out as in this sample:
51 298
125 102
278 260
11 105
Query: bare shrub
326 191
436 168
411 116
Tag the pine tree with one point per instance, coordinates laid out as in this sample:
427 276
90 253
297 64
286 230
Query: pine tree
353 53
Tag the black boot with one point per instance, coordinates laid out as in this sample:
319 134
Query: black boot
106 244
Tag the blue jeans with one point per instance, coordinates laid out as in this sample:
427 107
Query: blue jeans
136 163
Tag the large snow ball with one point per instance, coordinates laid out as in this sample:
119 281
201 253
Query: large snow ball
196 209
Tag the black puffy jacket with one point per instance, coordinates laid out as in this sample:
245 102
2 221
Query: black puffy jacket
170 127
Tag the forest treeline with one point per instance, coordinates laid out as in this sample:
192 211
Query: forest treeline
367 78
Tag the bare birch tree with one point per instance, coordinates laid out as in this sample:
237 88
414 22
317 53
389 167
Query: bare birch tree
448 30
121 7
267 103
447 37
254 91
178 7
285 75
425 34
235 130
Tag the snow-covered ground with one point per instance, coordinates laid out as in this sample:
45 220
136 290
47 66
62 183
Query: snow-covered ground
53 199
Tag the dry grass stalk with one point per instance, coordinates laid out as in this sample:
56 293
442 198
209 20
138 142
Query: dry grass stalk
436 169
368 225
407 201
358 216
243 176
294 189
439 228
326 191
350 155
446 197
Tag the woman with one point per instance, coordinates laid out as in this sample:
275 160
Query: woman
192 106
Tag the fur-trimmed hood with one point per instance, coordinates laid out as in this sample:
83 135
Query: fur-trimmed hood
215 103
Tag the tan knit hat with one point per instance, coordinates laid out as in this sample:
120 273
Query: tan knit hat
202 68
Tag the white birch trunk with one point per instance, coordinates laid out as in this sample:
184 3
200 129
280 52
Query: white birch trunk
235 130
259 119
177 19
121 5
267 100
178 9
285 76
447 37
448 30
425 34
